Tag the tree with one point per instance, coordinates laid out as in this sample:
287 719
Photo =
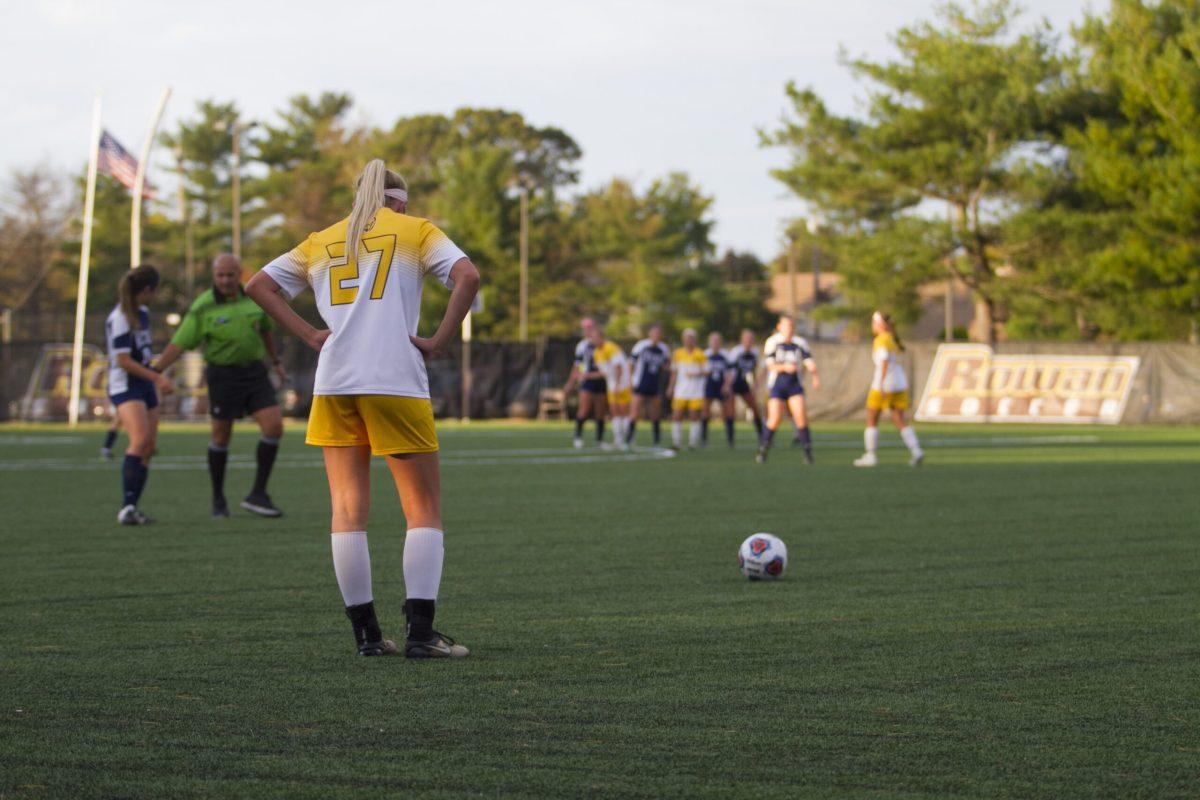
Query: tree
33 219
954 121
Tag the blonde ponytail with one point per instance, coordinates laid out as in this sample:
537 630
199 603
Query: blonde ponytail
368 199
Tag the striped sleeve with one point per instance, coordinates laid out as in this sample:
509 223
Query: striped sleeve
438 254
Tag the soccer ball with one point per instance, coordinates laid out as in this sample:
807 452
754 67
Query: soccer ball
762 557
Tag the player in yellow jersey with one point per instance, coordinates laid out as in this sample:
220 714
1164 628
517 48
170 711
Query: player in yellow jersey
610 359
688 368
889 392
371 392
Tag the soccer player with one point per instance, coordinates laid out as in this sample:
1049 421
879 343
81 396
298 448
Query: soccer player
610 358
718 367
235 335
786 354
133 386
745 361
889 392
650 356
371 391
687 390
593 390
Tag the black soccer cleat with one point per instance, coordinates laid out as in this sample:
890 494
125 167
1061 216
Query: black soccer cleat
129 515
808 458
220 508
761 456
384 647
436 646
260 503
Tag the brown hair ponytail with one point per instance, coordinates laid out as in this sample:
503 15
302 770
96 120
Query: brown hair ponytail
132 284
886 319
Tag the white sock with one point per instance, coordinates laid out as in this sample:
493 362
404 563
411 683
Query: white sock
677 434
352 565
618 430
694 435
871 439
909 435
423 553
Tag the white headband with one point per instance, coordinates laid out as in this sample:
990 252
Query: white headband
396 194
877 316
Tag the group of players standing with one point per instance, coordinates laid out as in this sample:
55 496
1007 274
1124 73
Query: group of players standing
626 388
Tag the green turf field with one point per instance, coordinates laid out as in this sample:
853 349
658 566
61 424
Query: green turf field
1018 618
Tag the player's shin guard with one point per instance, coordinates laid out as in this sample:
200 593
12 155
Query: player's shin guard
578 428
268 448
130 471
656 430
871 439
729 431
630 433
909 435
768 435
599 429
423 555
110 437
703 431
677 434
805 440
352 566
758 426
218 456
694 435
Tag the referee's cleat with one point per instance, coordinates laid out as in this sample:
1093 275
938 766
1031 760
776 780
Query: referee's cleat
220 508
259 503
129 515
384 647
437 646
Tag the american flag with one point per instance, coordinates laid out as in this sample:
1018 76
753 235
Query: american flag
115 160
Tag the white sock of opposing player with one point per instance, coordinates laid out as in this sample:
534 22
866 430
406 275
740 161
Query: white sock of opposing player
352 565
694 435
871 439
909 435
677 434
423 554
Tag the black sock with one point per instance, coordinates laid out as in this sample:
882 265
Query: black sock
599 430
420 619
366 626
109 438
265 455
216 470
758 426
143 475
704 430
632 428
578 428
729 431
656 426
767 436
130 470
805 439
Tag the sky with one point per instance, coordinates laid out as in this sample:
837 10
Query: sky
644 87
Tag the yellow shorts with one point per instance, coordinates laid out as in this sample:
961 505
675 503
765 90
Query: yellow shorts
885 401
679 404
390 425
621 396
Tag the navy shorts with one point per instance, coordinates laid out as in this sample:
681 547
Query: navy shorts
594 385
712 391
647 386
785 389
740 386
138 390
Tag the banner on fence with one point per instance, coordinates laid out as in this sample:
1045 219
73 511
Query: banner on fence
972 383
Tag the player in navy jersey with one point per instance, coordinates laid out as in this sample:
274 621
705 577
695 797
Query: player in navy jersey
650 358
717 371
593 389
787 356
744 362
133 386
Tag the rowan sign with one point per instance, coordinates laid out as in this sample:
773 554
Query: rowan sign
971 383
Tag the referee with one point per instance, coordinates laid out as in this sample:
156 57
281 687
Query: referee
235 335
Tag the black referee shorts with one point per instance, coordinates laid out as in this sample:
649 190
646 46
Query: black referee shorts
237 390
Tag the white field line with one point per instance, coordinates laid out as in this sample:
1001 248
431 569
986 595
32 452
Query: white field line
20 439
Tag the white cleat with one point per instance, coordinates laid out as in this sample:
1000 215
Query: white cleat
916 459
606 446
866 460
579 444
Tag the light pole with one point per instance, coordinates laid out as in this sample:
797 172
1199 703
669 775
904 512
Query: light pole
791 273
523 313
236 131
814 227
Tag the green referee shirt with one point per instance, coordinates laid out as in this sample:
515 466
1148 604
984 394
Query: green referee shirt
229 330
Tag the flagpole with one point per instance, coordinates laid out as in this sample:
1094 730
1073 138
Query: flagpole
139 182
85 255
